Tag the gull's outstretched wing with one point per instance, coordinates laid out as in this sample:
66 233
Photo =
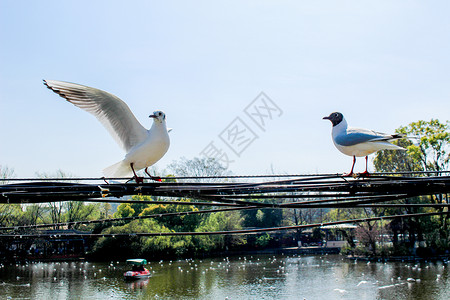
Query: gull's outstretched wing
112 112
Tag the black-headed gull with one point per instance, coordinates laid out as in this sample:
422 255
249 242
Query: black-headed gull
358 142
144 147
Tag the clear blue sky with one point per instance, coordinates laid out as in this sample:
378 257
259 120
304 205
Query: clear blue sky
382 64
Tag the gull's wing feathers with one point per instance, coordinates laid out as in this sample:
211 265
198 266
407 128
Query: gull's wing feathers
112 112
355 136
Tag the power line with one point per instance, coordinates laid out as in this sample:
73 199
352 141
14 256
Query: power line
177 214
230 232
79 179
38 192
124 219
320 191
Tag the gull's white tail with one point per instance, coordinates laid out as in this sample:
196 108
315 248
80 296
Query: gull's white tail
120 169
389 146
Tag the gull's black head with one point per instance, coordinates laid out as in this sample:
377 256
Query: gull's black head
158 116
335 118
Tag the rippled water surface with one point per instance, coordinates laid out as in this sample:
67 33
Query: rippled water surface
245 277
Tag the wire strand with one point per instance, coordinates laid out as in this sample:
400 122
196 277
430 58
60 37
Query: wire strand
230 232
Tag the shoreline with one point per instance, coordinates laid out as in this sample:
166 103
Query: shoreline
406 258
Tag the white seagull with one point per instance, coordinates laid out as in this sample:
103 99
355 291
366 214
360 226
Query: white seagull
144 147
358 142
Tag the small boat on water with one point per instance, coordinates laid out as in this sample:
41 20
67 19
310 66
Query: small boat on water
138 271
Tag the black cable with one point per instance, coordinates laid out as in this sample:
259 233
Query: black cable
230 232
225 177
296 205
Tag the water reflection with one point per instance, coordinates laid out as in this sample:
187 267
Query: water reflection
251 277
138 284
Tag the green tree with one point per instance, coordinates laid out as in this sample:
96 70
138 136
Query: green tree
263 217
6 173
397 161
105 209
428 149
221 221
33 213
184 223
9 213
367 232
56 209
80 211
433 150
124 210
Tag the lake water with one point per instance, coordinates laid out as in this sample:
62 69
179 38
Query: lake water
245 277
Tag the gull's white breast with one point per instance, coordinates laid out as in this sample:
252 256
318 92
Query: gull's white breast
148 152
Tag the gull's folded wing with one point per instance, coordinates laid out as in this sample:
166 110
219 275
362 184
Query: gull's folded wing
356 136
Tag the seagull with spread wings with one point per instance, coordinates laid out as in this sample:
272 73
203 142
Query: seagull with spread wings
143 147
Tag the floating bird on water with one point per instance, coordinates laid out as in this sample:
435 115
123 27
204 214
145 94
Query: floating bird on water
144 147
340 291
358 142
362 282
